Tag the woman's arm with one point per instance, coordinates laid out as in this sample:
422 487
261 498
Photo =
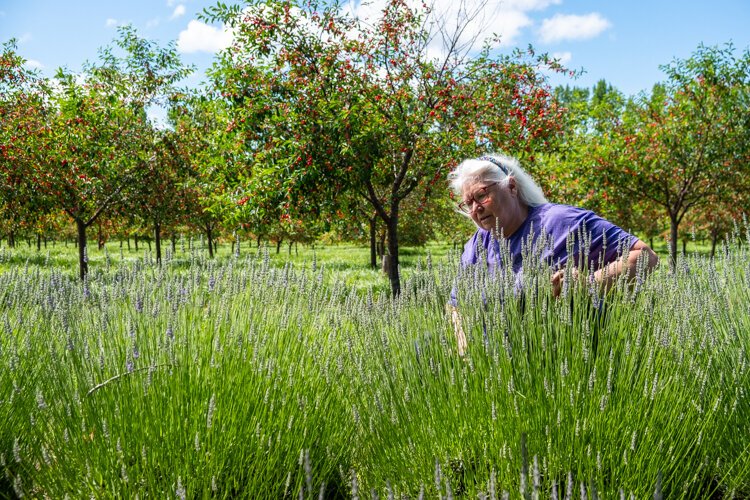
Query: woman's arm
457 328
609 274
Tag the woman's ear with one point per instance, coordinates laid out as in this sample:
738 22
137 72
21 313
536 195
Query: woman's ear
512 185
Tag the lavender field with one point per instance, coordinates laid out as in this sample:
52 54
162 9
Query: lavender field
242 378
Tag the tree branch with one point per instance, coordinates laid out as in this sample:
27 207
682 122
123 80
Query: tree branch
121 375
375 202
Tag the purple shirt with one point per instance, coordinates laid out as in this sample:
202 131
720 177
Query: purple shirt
556 223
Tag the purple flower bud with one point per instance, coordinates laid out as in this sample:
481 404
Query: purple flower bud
180 490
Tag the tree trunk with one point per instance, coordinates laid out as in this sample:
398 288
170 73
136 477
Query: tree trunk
373 243
174 243
684 246
136 242
278 246
83 265
651 242
45 242
289 252
393 272
673 227
296 248
99 237
148 242
128 243
385 266
38 242
714 241
157 239
209 237
257 240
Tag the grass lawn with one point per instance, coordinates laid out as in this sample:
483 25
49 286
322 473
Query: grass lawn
349 261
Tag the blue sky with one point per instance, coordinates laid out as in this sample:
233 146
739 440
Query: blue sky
622 41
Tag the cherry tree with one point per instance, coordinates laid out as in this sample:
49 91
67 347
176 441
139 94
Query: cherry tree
23 115
97 138
687 144
330 103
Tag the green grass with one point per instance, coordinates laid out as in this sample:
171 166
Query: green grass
348 263
261 377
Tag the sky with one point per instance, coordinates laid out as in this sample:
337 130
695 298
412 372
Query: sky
621 41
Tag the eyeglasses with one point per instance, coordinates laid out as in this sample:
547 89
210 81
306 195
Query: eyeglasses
480 197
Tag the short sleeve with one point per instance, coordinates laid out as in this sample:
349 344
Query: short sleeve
608 240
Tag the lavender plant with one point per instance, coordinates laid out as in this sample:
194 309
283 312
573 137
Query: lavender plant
243 378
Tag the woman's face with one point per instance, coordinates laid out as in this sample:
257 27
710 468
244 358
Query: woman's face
500 209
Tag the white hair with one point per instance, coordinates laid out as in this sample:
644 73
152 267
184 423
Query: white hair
497 168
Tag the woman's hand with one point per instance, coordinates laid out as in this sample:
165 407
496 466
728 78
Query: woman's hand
608 275
558 279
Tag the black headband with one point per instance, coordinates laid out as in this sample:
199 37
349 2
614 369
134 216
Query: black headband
494 161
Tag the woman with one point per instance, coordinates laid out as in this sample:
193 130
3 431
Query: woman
506 204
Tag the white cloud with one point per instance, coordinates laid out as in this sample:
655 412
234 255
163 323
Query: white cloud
562 57
170 3
572 27
506 18
200 37
527 5
33 64
179 11
26 37
152 23
111 23
509 25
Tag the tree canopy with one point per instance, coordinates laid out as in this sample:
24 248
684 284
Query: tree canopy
330 105
687 144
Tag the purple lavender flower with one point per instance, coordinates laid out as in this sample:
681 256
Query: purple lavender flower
41 404
180 490
211 409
